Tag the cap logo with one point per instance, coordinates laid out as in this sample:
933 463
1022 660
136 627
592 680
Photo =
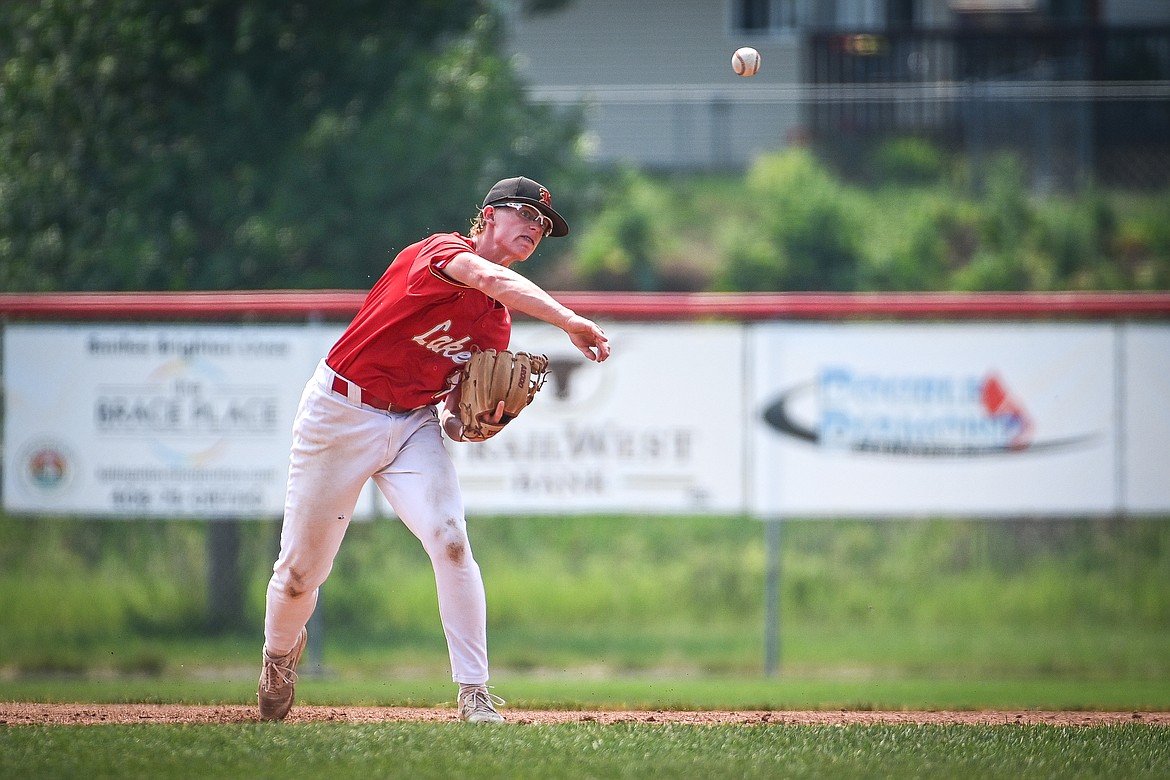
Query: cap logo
545 197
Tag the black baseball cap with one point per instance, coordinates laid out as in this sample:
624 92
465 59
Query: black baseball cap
519 189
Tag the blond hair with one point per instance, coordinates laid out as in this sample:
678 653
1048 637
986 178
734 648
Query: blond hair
478 224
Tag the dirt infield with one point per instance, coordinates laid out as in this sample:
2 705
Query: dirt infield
23 714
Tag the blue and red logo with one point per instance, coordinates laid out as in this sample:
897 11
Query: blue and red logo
999 405
47 466
916 415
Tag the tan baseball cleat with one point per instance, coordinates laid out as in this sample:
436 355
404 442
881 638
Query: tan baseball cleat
278 679
476 705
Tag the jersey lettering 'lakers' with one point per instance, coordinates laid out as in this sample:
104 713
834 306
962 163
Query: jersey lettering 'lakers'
445 345
417 327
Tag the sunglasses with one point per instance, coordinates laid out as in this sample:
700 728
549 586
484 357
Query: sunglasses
530 214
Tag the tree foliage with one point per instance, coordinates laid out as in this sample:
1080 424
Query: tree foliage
620 251
914 224
807 216
214 144
224 144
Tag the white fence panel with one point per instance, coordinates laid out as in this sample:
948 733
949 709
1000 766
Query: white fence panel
1145 355
959 419
657 428
779 419
153 420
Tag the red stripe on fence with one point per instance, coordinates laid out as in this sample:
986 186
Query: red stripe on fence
342 304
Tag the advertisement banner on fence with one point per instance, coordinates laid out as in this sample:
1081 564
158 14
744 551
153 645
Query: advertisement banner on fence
657 428
960 419
165 421
775 419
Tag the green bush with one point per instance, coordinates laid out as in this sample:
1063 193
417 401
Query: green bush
790 224
1141 242
624 242
907 161
813 224
923 236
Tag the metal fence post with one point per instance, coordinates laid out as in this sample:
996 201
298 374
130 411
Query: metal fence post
772 600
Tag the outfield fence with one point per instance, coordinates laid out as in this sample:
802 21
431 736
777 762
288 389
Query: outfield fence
771 405
1009 405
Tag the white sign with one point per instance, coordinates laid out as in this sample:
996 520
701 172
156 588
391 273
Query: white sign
775 419
656 428
155 421
876 420
1146 362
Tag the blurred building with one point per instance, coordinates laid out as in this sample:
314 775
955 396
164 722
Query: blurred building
1080 88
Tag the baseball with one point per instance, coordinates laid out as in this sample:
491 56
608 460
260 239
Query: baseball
745 61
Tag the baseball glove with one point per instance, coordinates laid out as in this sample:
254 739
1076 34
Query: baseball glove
490 377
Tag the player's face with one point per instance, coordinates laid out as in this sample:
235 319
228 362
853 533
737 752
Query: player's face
532 225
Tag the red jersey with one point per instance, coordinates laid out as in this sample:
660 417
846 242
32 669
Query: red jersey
417 327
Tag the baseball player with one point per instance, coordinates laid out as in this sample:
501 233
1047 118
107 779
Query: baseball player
372 410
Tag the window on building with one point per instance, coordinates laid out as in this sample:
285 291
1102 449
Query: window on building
859 14
781 16
900 13
1071 10
768 16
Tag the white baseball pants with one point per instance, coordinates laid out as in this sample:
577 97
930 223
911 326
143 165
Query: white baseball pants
337 446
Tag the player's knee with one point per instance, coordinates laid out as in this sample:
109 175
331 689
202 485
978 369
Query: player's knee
451 545
294 583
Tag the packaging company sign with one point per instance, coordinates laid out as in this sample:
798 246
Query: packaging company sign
656 428
971 419
157 421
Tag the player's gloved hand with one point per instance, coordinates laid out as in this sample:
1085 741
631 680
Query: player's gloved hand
495 386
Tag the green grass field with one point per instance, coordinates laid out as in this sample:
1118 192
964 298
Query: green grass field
581 751
610 613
